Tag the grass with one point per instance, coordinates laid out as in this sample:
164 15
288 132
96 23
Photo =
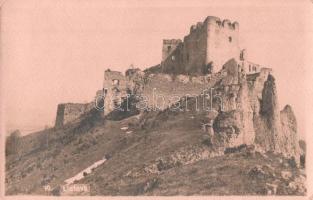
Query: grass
158 137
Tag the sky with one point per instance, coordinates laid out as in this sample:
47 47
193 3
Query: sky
56 51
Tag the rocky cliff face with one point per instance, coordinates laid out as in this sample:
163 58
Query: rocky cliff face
245 111
267 120
234 123
276 130
289 136
248 113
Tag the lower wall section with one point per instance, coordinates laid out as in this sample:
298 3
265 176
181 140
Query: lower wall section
69 112
161 90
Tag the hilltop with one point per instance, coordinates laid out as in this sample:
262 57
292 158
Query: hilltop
163 152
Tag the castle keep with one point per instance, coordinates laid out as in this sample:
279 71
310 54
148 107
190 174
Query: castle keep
205 49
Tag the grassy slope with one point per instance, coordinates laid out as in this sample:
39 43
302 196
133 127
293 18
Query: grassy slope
70 150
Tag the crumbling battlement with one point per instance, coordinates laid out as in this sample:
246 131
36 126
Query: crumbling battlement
222 24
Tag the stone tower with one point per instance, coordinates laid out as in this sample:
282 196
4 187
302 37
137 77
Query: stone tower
209 44
222 41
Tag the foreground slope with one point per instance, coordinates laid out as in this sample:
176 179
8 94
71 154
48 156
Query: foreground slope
155 157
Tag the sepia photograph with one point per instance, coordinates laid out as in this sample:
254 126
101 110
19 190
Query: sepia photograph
156 98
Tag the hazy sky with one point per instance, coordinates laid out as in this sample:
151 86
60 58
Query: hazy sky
55 51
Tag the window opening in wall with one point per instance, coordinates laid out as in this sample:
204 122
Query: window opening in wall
230 39
116 82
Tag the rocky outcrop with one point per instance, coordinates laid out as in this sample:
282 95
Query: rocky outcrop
234 124
267 121
245 111
248 113
289 136
276 130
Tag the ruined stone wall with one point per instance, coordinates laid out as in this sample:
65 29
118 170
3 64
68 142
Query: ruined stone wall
174 63
168 47
195 49
110 76
69 112
154 91
252 68
115 86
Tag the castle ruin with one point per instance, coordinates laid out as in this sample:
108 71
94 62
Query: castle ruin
209 56
187 67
